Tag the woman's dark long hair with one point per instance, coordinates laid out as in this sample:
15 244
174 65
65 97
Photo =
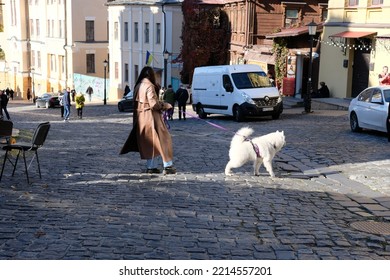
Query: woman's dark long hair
148 73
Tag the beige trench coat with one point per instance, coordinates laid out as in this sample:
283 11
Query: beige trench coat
149 136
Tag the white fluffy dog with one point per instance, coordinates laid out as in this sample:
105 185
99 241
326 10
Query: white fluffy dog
259 150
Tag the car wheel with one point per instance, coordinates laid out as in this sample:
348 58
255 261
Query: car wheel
201 112
354 122
237 114
120 108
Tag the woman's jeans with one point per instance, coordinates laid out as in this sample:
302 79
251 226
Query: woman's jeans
153 163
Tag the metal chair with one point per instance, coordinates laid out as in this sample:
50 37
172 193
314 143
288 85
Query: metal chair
37 141
6 131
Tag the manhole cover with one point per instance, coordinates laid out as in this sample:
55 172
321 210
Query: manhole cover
372 227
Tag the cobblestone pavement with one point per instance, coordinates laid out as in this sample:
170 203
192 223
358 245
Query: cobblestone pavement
94 204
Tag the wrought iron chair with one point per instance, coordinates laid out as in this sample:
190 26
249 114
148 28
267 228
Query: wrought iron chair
37 141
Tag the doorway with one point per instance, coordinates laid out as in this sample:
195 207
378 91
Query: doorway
360 67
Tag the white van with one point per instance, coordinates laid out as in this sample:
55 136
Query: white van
235 90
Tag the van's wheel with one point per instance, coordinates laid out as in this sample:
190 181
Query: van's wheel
201 112
237 114
354 122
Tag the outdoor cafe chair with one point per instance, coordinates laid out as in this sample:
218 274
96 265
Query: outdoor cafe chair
37 141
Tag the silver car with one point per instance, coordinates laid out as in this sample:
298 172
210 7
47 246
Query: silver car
369 109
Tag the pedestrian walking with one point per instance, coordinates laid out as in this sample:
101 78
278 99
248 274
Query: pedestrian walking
169 97
73 94
28 94
4 103
61 97
80 100
66 101
89 91
149 135
182 97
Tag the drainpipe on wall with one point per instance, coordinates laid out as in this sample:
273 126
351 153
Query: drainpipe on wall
165 47
28 40
66 43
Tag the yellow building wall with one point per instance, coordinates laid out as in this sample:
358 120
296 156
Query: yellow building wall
361 18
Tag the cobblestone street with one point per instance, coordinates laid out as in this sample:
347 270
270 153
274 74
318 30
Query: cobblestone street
92 203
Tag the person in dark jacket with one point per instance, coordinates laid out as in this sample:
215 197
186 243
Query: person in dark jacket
127 90
66 101
182 97
323 91
4 103
169 97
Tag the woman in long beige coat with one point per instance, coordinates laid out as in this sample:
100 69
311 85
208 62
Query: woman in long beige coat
150 136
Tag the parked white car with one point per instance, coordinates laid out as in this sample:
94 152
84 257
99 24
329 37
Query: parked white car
369 109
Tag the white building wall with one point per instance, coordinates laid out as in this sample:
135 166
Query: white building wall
134 53
60 52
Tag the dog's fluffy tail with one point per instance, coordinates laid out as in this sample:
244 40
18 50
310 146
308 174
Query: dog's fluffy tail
242 134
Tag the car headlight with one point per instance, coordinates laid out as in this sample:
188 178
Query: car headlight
247 98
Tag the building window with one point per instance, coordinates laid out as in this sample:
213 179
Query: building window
39 59
52 63
31 27
146 32
353 2
136 72
52 28
377 2
32 58
90 63
62 59
126 77
13 13
136 32
324 15
89 30
48 28
60 28
116 70
291 17
158 33
126 30
38 27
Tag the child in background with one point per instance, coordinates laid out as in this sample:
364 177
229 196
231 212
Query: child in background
80 100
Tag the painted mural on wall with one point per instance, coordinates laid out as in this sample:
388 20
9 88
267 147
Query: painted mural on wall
82 82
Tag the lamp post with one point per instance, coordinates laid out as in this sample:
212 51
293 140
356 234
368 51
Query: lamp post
166 56
312 26
105 63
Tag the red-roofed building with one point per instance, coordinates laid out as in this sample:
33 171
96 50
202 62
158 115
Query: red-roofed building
255 25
